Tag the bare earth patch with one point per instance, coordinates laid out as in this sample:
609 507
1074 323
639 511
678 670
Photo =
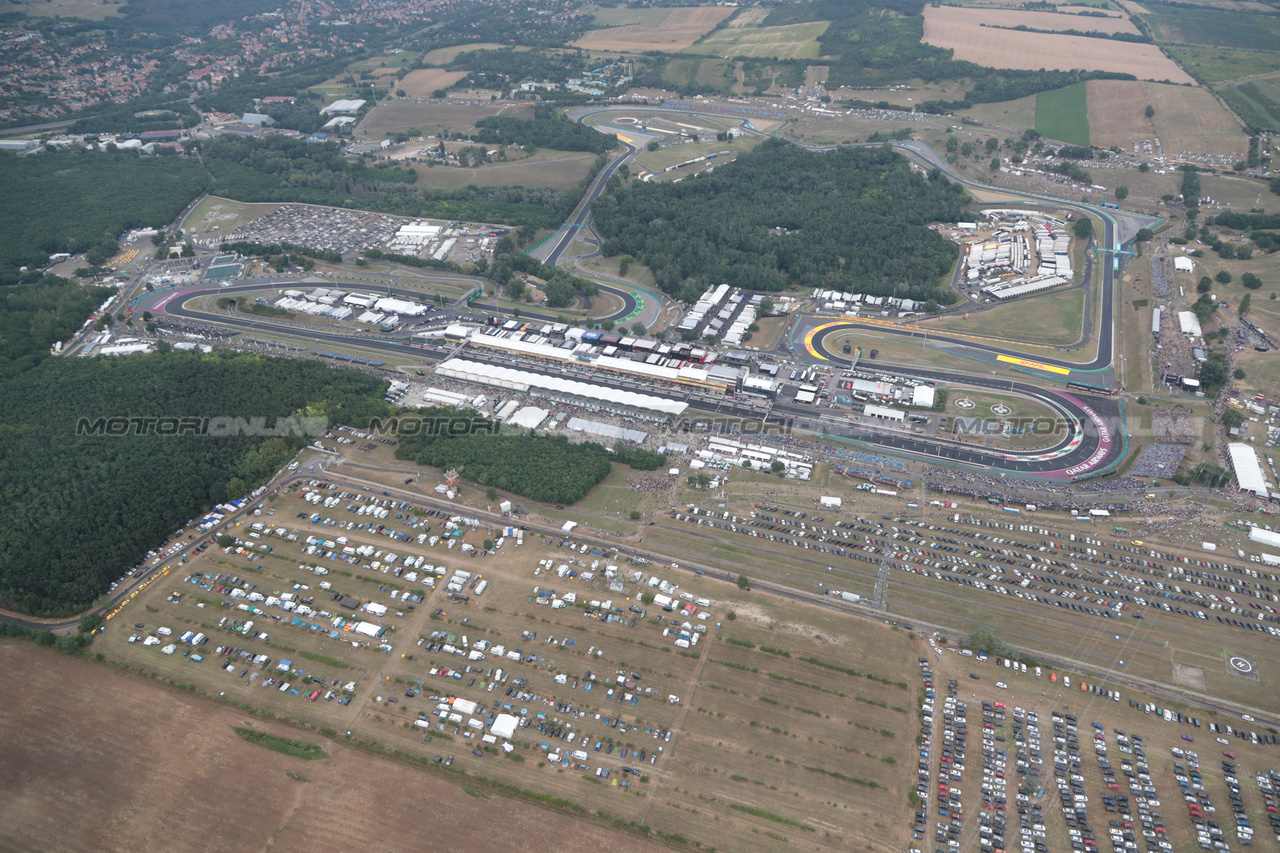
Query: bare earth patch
1187 119
960 30
424 81
99 761
1189 676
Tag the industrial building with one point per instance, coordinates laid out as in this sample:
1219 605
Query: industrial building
344 107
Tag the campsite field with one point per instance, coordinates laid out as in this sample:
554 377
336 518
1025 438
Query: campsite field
1186 119
679 28
791 41
424 81
1220 64
392 686
953 28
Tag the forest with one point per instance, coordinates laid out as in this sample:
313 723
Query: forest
78 510
541 467
502 69
71 201
853 219
546 130
34 316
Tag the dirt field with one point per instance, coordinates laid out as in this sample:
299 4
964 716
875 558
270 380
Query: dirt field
406 116
681 28
84 775
91 10
959 30
424 81
1187 119
445 55
954 15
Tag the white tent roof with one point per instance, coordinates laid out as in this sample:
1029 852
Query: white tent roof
1183 264
523 380
1248 470
1266 537
922 396
528 418
504 726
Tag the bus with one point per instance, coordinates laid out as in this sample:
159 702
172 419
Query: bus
1111 204
1084 388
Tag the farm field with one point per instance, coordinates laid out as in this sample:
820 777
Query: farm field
1187 118
1064 114
949 27
559 170
1220 64
790 41
445 55
424 81
90 10
686 70
400 116
1214 27
679 28
194 785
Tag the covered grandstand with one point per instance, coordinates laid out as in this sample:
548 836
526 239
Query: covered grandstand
513 379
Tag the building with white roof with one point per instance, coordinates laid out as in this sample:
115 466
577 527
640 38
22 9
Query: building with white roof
1244 460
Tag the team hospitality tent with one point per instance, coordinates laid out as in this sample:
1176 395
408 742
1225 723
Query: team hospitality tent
528 418
504 726
1248 470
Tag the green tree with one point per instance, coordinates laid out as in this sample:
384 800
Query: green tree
1204 285
1223 277
1246 305
491 494
89 622
1122 193
225 540
652 145
635 515
743 583
1150 111
607 325
1251 281
1082 227
1239 373
994 164
236 487
777 467
637 328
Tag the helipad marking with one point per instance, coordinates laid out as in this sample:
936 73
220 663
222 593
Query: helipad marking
1034 365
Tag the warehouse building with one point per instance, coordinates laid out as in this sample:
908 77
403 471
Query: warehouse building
557 387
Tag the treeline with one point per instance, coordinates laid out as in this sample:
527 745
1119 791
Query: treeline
70 201
853 219
540 467
34 316
411 260
562 288
266 250
501 69
1137 38
546 130
78 509
278 168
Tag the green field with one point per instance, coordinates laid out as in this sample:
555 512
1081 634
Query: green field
1215 65
792 41
1052 320
1215 27
1064 114
687 70
560 170
1257 102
